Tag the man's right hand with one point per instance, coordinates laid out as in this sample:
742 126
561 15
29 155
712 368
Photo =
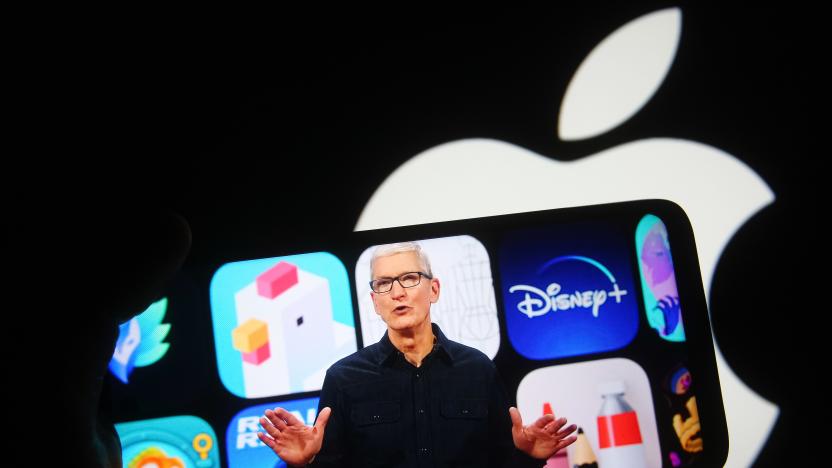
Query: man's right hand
294 442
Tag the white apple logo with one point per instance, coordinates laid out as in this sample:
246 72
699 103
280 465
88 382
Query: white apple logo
481 177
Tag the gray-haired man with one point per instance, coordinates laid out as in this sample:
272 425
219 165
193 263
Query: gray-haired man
415 398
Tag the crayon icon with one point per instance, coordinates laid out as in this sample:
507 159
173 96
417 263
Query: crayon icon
619 435
582 454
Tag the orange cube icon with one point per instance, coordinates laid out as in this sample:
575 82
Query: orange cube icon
250 336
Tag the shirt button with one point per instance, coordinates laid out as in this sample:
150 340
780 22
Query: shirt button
421 411
423 451
418 375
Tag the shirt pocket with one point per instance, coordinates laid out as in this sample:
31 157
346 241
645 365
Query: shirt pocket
463 428
377 412
464 408
377 432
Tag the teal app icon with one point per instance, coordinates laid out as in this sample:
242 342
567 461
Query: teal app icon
172 442
658 279
279 323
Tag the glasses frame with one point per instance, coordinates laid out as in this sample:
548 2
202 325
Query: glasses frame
398 279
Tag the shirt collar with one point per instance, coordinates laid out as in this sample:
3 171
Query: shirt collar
386 350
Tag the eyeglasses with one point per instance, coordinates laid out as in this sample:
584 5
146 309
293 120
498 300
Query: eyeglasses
406 280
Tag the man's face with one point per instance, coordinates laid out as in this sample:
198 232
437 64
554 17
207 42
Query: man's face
403 308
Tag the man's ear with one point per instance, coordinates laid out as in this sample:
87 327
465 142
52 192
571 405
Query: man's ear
434 290
375 306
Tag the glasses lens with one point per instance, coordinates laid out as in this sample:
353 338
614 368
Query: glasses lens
382 285
409 280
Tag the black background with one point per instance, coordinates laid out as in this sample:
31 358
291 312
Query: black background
197 116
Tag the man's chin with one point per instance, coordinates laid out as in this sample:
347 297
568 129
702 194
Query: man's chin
400 325
403 323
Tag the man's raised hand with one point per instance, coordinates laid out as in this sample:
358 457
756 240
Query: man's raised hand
294 442
543 438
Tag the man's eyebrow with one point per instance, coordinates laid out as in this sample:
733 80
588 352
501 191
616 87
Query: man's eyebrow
394 277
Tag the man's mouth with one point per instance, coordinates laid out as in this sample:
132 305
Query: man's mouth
401 309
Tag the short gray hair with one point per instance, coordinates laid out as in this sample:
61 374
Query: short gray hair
387 250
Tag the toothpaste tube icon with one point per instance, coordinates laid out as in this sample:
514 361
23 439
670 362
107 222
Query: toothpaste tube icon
619 435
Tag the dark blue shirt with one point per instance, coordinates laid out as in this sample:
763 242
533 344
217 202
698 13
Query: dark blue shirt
452 411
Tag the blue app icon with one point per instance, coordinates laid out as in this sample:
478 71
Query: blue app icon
245 449
568 291
279 323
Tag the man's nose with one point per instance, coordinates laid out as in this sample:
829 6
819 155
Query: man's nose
397 293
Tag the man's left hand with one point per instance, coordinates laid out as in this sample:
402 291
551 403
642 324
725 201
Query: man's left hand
542 439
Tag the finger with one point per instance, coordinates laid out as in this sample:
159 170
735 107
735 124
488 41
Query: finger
516 419
566 442
276 420
268 427
323 418
566 431
691 406
694 445
691 431
290 419
543 421
554 426
266 439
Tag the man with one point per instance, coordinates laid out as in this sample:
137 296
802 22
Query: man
414 398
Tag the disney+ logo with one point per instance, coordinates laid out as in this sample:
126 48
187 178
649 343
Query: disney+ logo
538 302
569 290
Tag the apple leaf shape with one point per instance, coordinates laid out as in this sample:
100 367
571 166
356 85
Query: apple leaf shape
620 75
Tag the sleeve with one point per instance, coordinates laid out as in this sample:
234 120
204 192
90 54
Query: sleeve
334 449
503 452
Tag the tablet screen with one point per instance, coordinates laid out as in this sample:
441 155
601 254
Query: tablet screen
596 314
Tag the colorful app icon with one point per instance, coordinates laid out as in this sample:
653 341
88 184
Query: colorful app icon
658 279
681 400
242 445
279 323
568 291
609 400
173 442
467 307
140 341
